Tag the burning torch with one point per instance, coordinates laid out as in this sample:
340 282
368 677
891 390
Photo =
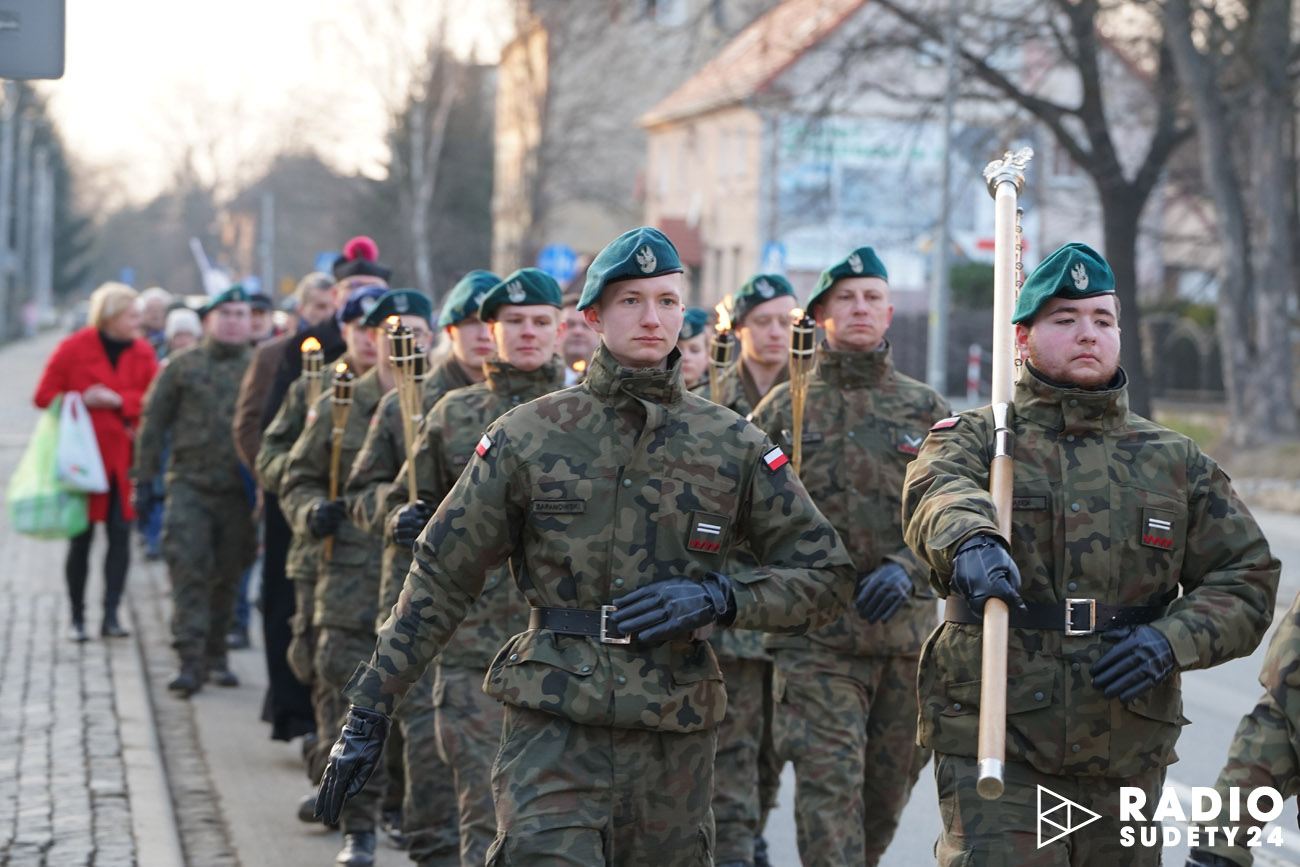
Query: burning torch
405 358
313 369
340 407
721 350
802 354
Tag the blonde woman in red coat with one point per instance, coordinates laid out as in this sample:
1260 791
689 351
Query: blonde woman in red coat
111 365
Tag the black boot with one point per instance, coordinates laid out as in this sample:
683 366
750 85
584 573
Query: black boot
111 628
77 632
391 820
220 674
307 809
190 678
760 852
238 638
358 849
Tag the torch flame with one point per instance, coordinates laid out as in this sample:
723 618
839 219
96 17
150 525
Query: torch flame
796 314
724 316
579 365
311 344
341 368
393 321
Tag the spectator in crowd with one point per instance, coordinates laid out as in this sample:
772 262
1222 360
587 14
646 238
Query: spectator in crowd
153 304
262 323
183 330
110 365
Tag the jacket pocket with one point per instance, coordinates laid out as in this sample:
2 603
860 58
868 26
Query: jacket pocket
557 674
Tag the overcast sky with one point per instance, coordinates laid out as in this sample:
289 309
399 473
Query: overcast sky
240 79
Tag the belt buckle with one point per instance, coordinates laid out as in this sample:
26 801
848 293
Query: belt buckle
605 638
1069 616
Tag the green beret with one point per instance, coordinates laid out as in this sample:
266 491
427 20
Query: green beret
862 262
694 321
524 287
234 294
463 299
634 255
399 302
759 288
1074 271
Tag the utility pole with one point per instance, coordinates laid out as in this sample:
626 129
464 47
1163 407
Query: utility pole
266 244
8 122
42 268
937 335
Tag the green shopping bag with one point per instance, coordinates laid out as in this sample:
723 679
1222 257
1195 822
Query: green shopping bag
38 504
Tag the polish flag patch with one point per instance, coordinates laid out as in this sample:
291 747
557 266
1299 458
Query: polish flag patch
775 459
945 423
483 446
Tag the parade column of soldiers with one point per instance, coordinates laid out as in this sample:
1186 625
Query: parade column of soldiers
602 694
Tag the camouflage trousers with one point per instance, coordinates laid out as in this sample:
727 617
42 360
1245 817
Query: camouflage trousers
429 799
208 540
736 808
469 735
337 653
302 644
1005 832
586 796
848 723
770 762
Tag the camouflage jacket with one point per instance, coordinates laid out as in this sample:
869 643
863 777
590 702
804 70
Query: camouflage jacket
373 487
347 588
863 424
1108 506
193 397
303 559
1266 750
445 446
590 493
739 393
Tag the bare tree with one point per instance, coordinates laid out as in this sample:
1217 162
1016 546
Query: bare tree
1235 68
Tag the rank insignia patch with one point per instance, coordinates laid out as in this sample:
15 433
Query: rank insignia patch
775 459
483 445
910 445
1158 528
708 532
945 423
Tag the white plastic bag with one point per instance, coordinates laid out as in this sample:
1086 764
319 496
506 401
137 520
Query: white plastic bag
77 462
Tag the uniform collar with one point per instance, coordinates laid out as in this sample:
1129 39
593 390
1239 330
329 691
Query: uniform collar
1061 407
504 378
851 369
607 379
224 350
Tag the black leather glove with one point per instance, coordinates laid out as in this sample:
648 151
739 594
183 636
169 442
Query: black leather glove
410 522
325 517
672 609
983 570
1199 858
142 498
882 592
1141 659
353 759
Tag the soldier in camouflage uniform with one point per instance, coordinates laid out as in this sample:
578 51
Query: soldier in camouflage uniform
524 314
747 772
428 797
1265 751
846 694
208 534
347 585
1113 515
621 485
693 344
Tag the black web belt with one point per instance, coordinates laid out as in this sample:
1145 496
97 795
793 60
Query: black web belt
579 621
1069 616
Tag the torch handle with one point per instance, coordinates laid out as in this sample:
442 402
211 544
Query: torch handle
409 412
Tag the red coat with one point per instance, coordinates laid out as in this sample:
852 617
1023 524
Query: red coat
79 362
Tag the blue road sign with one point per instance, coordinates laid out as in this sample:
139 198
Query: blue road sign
325 261
773 258
126 275
558 260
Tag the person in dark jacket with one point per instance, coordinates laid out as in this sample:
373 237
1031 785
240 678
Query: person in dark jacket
110 365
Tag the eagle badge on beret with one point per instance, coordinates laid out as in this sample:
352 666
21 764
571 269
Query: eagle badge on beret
516 292
645 257
1080 276
478 299
855 263
764 288
401 304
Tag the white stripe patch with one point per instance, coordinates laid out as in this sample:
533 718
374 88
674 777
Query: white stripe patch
713 529
1158 524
